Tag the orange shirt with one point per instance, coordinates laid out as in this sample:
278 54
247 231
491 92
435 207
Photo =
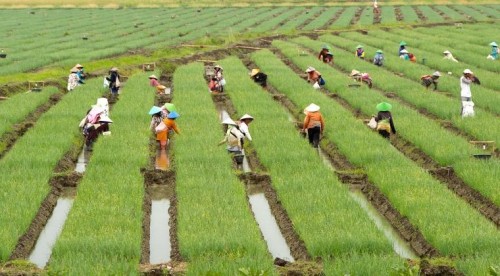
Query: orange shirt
313 119
313 76
171 125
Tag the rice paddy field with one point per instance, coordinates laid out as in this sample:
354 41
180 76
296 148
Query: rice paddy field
426 201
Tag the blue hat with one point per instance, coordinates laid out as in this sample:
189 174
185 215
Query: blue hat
173 115
154 110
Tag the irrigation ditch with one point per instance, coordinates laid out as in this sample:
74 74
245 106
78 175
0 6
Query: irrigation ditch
445 175
37 242
285 245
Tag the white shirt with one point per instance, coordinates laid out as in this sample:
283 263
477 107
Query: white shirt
465 87
244 130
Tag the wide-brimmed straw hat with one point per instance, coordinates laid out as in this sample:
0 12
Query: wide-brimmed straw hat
73 70
153 77
402 43
218 66
437 74
355 72
254 72
173 115
468 71
383 106
446 52
246 116
228 121
310 69
170 107
154 110
494 44
114 69
404 51
312 108
78 66
359 46
379 51
105 119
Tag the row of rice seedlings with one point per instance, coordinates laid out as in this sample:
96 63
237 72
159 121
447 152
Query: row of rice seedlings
483 98
320 21
217 233
447 148
432 15
259 15
366 18
276 21
103 232
488 10
471 51
221 27
331 223
410 16
299 19
434 59
453 14
414 93
388 15
410 189
16 108
27 167
345 18
469 11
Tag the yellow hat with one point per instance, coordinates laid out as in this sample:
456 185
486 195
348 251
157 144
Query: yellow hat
354 72
254 72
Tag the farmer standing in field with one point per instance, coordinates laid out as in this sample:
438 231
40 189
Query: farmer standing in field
465 93
385 124
166 127
244 121
447 55
219 77
72 79
258 77
114 81
234 137
325 54
360 52
379 58
313 124
494 51
427 80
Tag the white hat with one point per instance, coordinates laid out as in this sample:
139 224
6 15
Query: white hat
468 71
218 66
152 77
310 69
437 74
246 116
311 108
105 118
78 66
355 72
228 121
447 52
73 70
114 69
404 51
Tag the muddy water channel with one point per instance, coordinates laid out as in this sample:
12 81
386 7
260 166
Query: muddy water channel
159 239
401 247
50 233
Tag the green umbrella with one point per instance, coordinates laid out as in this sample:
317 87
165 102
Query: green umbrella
383 106
170 107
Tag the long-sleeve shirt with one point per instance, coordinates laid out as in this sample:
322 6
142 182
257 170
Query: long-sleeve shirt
465 87
244 129
359 53
384 117
313 119
450 57
427 80
378 59
72 81
154 82
313 76
233 138
171 125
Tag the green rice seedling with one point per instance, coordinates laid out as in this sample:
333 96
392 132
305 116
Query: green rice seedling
217 233
453 14
16 108
388 15
25 170
469 11
366 18
324 214
278 20
447 148
321 20
414 93
410 16
432 15
103 232
489 10
300 19
344 19
410 189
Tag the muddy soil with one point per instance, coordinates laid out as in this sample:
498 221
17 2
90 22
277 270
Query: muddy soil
311 18
357 15
420 14
334 18
441 13
399 13
426 268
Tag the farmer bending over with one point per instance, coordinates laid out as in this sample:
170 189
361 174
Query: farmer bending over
427 80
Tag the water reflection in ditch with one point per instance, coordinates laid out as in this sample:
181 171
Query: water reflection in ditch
161 160
43 248
159 237
399 245
270 230
83 160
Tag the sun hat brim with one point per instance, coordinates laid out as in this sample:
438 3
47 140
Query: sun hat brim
170 107
312 108
246 116
228 121
154 110
383 106
173 115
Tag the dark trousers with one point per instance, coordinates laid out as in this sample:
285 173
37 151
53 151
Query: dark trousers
313 134
384 133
